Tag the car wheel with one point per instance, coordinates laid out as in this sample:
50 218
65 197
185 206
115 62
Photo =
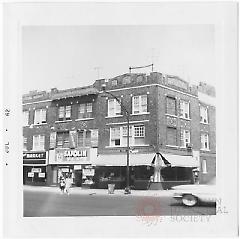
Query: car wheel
189 200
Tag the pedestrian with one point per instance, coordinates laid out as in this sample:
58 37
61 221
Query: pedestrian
62 184
68 184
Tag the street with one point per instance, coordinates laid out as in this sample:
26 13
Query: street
53 203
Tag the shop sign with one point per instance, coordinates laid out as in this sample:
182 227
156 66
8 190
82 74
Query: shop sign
30 175
70 156
88 172
34 155
77 167
36 170
41 175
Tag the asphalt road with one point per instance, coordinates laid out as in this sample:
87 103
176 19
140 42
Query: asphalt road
47 204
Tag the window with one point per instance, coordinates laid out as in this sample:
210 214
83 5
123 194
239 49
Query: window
184 109
25 118
204 166
85 111
24 143
204 141
38 142
139 104
84 138
64 113
63 140
203 114
171 106
118 135
114 82
184 138
126 80
40 116
115 136
171 136
114 108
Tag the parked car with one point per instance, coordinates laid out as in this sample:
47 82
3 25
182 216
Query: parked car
193 194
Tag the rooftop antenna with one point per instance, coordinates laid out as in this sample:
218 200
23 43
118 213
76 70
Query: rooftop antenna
98 68
139 67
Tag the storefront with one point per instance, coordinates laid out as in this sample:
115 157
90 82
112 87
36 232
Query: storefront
35 168
76 163
112 168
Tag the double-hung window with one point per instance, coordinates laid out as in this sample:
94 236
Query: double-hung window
25 143
38 142
170 105
171 136
84 138
114 107
25 118
40 116
203 114
63 140
204 141
85 111
118 135
139 104
184 138
64 113
184 109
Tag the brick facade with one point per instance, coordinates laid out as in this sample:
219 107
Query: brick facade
157 87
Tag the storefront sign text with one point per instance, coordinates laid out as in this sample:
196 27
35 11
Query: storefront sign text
75 153
35 155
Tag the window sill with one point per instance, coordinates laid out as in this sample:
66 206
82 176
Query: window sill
40 124
62 121
145 113
204 123
172 115
84 119
206 150
185 118
122 146
114 116
172 146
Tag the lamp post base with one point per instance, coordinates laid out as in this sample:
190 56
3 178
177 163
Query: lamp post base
127 190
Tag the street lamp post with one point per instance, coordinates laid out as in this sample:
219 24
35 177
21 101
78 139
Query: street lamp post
127 189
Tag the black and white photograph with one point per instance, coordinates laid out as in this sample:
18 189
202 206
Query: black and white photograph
115 114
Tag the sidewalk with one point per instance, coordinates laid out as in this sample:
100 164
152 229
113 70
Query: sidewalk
118 192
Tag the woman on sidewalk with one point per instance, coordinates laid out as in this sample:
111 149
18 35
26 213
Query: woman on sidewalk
68 184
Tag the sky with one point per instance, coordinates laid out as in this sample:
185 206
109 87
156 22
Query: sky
73 56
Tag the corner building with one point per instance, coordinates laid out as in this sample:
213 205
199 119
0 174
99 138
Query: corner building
83 132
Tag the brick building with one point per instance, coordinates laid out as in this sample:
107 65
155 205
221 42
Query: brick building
83 132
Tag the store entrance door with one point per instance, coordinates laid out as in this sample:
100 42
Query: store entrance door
78 178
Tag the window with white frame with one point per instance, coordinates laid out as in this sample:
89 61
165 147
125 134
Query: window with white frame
204 166
184 109
40 116
204 141
25 143
64 112
203 114
85 111
184 138
139 104
25 118
114 107
118 135
38 142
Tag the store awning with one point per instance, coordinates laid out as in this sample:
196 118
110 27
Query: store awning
121 159
181 161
